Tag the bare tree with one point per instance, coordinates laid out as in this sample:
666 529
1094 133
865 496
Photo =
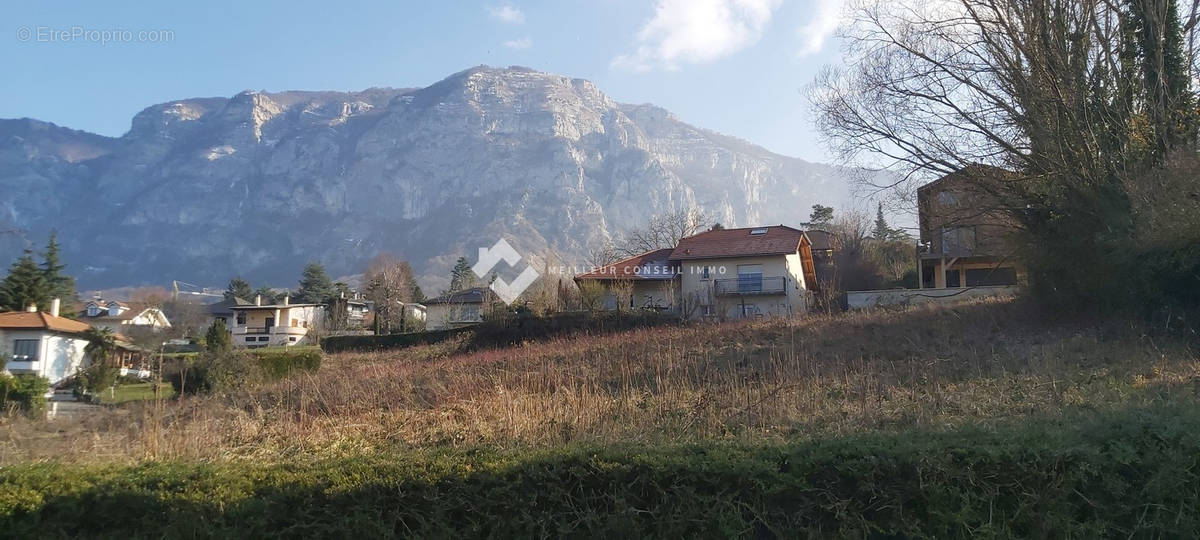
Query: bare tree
388 283
662 231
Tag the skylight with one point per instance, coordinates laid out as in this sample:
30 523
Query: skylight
762 230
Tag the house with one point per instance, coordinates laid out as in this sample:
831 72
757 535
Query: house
651 278
284 324
752 272
123 317
43 344
223 311
458 309
965 231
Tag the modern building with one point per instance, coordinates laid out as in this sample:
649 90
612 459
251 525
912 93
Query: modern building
966 232
458 309
273 325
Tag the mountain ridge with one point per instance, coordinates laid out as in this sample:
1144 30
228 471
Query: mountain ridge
256 184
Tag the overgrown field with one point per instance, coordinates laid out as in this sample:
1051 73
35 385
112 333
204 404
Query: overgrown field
958 420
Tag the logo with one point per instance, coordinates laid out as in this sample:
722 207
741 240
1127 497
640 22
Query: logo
490 257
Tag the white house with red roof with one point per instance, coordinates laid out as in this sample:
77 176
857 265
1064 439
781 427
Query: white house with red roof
752 272
42 343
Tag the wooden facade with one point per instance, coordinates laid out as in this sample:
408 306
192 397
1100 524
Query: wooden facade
966 231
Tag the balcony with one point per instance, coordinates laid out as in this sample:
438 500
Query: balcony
286 330
24 366
755 285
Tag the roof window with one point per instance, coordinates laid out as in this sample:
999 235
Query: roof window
760 230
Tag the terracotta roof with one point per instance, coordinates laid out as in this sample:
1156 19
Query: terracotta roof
41 321
474 295
777 240
651 265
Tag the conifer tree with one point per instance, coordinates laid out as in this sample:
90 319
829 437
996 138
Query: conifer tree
315 285
24 285
59 285
462 277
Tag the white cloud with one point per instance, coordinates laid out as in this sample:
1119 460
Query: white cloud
523 43
697 31
508 14
826 17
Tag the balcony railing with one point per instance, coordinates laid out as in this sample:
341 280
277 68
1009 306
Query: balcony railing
751 285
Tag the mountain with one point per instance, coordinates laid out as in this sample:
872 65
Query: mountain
257 184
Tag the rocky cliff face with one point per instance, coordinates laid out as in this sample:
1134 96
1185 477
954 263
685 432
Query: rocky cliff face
257 184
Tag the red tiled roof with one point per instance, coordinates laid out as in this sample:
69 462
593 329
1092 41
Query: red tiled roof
41 321
777 240
649 265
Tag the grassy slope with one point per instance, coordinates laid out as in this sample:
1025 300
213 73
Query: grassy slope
980 419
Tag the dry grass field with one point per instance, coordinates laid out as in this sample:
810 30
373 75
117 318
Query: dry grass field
979 364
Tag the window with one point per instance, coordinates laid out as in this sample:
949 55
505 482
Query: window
25 350
291 338
958 240
946 198
750 277
93 310
241 317
761 230
295 322
250 339
704 273
264 338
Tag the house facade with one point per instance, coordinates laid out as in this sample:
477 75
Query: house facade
223 311
725 274
458 309
275 325
966 232
747 273
43 344
650 278
121 316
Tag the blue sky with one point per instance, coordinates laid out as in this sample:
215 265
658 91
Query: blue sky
735 66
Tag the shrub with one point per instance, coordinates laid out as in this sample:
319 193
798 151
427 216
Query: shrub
232 369
25 392
212 371
335 344
277 364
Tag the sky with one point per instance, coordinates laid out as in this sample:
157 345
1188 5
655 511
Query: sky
739 67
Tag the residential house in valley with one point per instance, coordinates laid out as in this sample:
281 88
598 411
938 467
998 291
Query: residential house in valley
752 272
223 310
650 277
966 231
458 309
284 324
121 317
43 343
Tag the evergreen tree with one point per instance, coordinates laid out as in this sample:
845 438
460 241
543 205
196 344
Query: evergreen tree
315 285
882 231
239 288
461 277
24 285
820 216
59 285
217 339
268 295
417 294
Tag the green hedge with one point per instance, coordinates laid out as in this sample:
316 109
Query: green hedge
335 344
23 392
507 330
1125 474
279 363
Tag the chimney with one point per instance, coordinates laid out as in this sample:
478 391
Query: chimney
258 299
32 308
287 299
54 306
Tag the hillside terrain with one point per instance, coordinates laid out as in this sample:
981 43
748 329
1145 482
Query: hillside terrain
260 183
